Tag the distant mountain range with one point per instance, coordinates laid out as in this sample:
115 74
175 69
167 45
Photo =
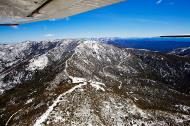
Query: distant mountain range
82 82
181 52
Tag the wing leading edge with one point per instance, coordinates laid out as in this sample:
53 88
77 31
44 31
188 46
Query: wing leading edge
25 11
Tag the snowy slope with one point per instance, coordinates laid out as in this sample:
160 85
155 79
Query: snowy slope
88 82
26 57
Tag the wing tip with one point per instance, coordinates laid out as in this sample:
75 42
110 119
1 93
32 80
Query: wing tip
175 36
9 24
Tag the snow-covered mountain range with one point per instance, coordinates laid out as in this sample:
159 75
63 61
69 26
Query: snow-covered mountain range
88 82
181 52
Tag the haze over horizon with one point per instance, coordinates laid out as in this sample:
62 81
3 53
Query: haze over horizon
133 18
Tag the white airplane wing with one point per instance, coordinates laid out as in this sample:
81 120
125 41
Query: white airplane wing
13 12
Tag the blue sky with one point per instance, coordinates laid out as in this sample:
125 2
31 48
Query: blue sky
133 18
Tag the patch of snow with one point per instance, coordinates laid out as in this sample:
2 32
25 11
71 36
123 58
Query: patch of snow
77 80
108 59
141 66
120 85
183 108
59 119
97 85
136 99
38 63
2 53
1 91
29 101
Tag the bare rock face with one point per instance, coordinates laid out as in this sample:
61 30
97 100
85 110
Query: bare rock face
86 82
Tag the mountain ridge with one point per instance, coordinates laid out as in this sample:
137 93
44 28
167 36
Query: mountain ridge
85 82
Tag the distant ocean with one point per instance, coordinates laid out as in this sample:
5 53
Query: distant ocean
154 44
